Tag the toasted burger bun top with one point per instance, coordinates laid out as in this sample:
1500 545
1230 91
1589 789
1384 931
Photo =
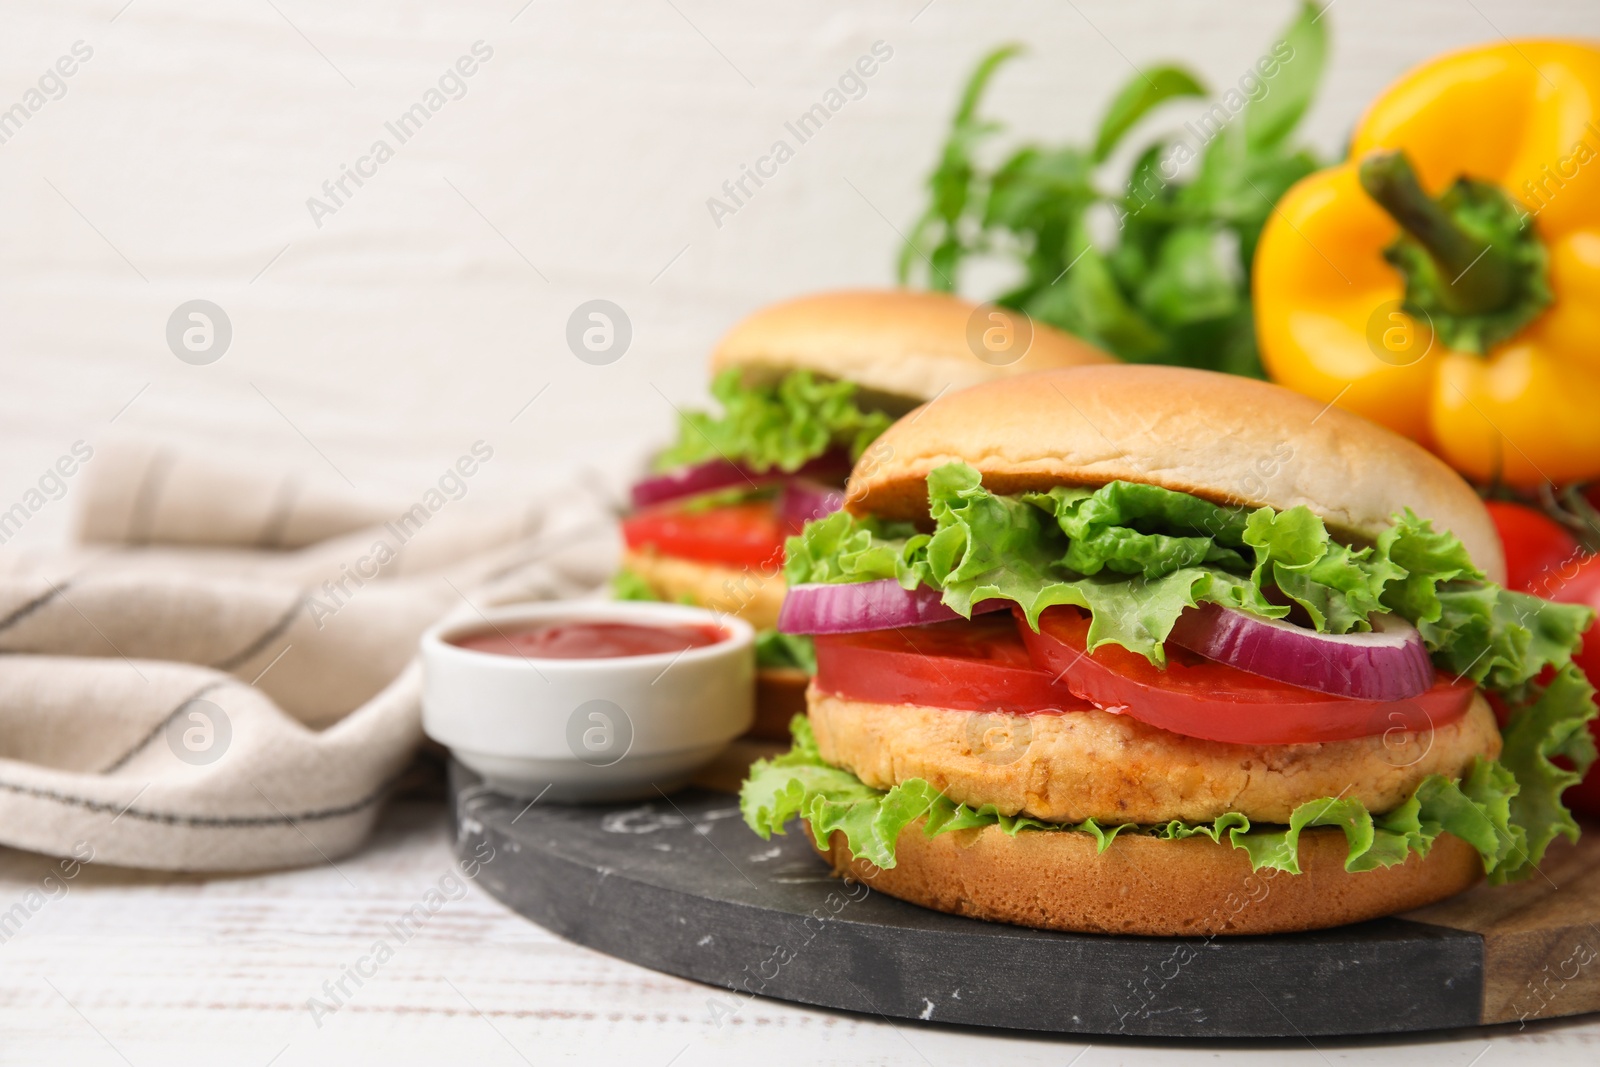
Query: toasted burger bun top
1227 439
892 342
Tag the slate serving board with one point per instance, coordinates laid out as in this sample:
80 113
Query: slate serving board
680 885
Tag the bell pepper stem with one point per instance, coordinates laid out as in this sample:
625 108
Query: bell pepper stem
1479 276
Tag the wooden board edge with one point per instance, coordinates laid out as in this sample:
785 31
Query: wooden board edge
1541 936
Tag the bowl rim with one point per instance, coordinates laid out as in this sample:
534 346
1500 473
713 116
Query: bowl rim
740 635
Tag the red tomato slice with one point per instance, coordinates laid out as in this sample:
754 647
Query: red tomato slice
1201 698
1536 546
748 534
981 665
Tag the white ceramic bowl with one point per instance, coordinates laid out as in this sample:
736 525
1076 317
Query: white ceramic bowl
588 729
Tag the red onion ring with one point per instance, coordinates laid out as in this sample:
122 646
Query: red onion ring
851 607
716 474
1388 663
803 500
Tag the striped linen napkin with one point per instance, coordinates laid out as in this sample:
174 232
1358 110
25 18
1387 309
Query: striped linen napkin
221 674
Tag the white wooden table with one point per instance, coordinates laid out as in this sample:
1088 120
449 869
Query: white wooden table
122 967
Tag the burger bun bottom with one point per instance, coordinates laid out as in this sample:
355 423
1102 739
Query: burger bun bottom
1144 885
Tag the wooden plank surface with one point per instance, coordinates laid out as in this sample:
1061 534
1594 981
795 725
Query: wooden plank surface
1541 937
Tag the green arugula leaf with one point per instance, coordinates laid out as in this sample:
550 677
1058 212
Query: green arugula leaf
1039 191
1084 298
1190 280
1143 92
1173 284
936 239
1299 57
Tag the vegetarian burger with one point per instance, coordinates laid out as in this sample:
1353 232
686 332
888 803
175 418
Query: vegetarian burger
1160 651
804 387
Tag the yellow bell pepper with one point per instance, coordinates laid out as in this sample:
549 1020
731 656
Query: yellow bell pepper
1445 280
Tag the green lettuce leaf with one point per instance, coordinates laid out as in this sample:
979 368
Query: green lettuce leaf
1553 724
1136 556
1013 548
799 784
723 498
843 548
1133 528
778 425
1479 812
629 585
784 651
1500 639
1428 560
1338 586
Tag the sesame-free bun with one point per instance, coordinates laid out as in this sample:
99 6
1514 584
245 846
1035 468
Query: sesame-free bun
1227 439
1055 880
894 343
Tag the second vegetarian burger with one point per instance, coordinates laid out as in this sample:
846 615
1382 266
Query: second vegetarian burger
1159 651
804 387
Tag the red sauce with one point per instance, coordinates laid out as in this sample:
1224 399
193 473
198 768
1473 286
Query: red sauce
588 640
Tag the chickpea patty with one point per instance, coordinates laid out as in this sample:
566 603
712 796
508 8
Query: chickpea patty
1113 768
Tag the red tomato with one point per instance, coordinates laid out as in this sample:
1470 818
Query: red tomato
1535 544
1201 698
738 535
980 665
1582 586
